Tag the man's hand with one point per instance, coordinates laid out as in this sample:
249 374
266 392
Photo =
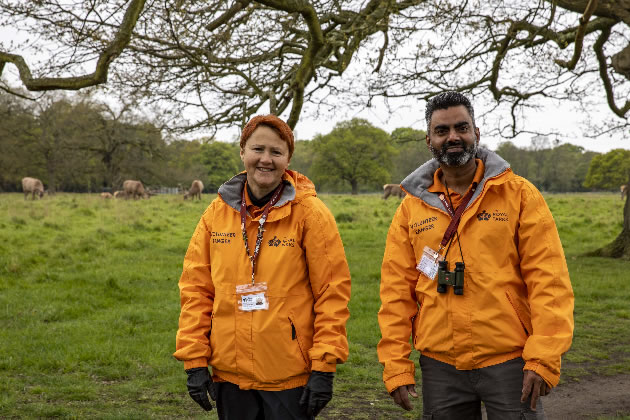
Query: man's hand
317 392
200 385
535 385
401 396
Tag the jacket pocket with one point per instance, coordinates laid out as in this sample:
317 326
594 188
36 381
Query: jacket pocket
415 324
222 339
210 329
295 335
523 313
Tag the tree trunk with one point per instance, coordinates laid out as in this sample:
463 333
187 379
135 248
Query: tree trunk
620 247
355 187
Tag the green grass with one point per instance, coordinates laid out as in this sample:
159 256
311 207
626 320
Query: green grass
89 303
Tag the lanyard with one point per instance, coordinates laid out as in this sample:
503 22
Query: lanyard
261 223
455 216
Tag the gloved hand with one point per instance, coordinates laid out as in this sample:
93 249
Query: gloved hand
317 392
200 385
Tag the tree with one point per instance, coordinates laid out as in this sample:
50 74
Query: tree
519 159
609 171
565 168
73 146
354 151
513 53
557 169
42 132
221 161
221 60
244 54
412 151
303 157
184 162
120 140
15 160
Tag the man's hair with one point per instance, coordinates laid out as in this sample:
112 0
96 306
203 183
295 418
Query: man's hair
280 127
446 100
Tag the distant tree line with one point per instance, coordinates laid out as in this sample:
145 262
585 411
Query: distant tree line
357 157
82 145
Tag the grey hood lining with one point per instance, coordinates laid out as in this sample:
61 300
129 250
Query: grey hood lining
232 190
421 179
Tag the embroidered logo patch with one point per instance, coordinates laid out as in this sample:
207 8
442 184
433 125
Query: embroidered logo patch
496 216
275 241
483 216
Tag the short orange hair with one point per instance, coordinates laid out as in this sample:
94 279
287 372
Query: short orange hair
273 122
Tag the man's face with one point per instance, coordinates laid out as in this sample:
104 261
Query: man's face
452 138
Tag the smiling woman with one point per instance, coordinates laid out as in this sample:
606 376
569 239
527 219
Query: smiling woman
288 294
265 155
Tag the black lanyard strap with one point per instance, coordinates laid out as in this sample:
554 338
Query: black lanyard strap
261 224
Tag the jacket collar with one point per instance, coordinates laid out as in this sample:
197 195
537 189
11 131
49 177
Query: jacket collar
418 182
232 190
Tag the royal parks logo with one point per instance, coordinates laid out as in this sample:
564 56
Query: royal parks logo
483 216
496 216
276 242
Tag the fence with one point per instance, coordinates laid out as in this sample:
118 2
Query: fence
166 190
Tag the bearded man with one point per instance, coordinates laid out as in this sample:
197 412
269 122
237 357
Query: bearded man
475 274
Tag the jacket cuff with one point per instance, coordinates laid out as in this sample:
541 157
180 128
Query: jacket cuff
550 378
323 366
195 363
397 381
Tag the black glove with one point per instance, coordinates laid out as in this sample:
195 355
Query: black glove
200 385
317 392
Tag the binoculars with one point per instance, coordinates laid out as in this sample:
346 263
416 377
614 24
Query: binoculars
451 278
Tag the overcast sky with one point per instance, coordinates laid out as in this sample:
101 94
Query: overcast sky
568 123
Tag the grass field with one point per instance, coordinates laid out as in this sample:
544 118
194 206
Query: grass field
89 303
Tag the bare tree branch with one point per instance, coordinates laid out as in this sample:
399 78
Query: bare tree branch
99 76
579 36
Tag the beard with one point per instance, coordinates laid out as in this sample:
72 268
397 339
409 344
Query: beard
447 158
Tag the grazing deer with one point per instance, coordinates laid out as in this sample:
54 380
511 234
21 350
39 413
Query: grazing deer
32 186
195 190
392 189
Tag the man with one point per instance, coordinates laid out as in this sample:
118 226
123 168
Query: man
475 273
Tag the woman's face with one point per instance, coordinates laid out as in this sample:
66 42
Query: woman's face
265 157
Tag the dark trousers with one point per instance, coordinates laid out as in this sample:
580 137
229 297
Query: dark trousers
234 403
451 394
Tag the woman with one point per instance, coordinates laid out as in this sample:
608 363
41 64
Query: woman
264 289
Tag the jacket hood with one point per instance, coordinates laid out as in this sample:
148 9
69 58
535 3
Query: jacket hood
417 183
296 187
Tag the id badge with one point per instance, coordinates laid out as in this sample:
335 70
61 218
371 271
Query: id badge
428 264
252 297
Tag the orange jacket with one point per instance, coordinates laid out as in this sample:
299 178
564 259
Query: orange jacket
517 300
302 261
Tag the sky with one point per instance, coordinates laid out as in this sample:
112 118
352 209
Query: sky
569 124
409 112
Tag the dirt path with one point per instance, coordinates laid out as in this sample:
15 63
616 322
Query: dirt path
589 398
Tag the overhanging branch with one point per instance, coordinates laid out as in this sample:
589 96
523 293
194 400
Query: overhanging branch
579 36
99 76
